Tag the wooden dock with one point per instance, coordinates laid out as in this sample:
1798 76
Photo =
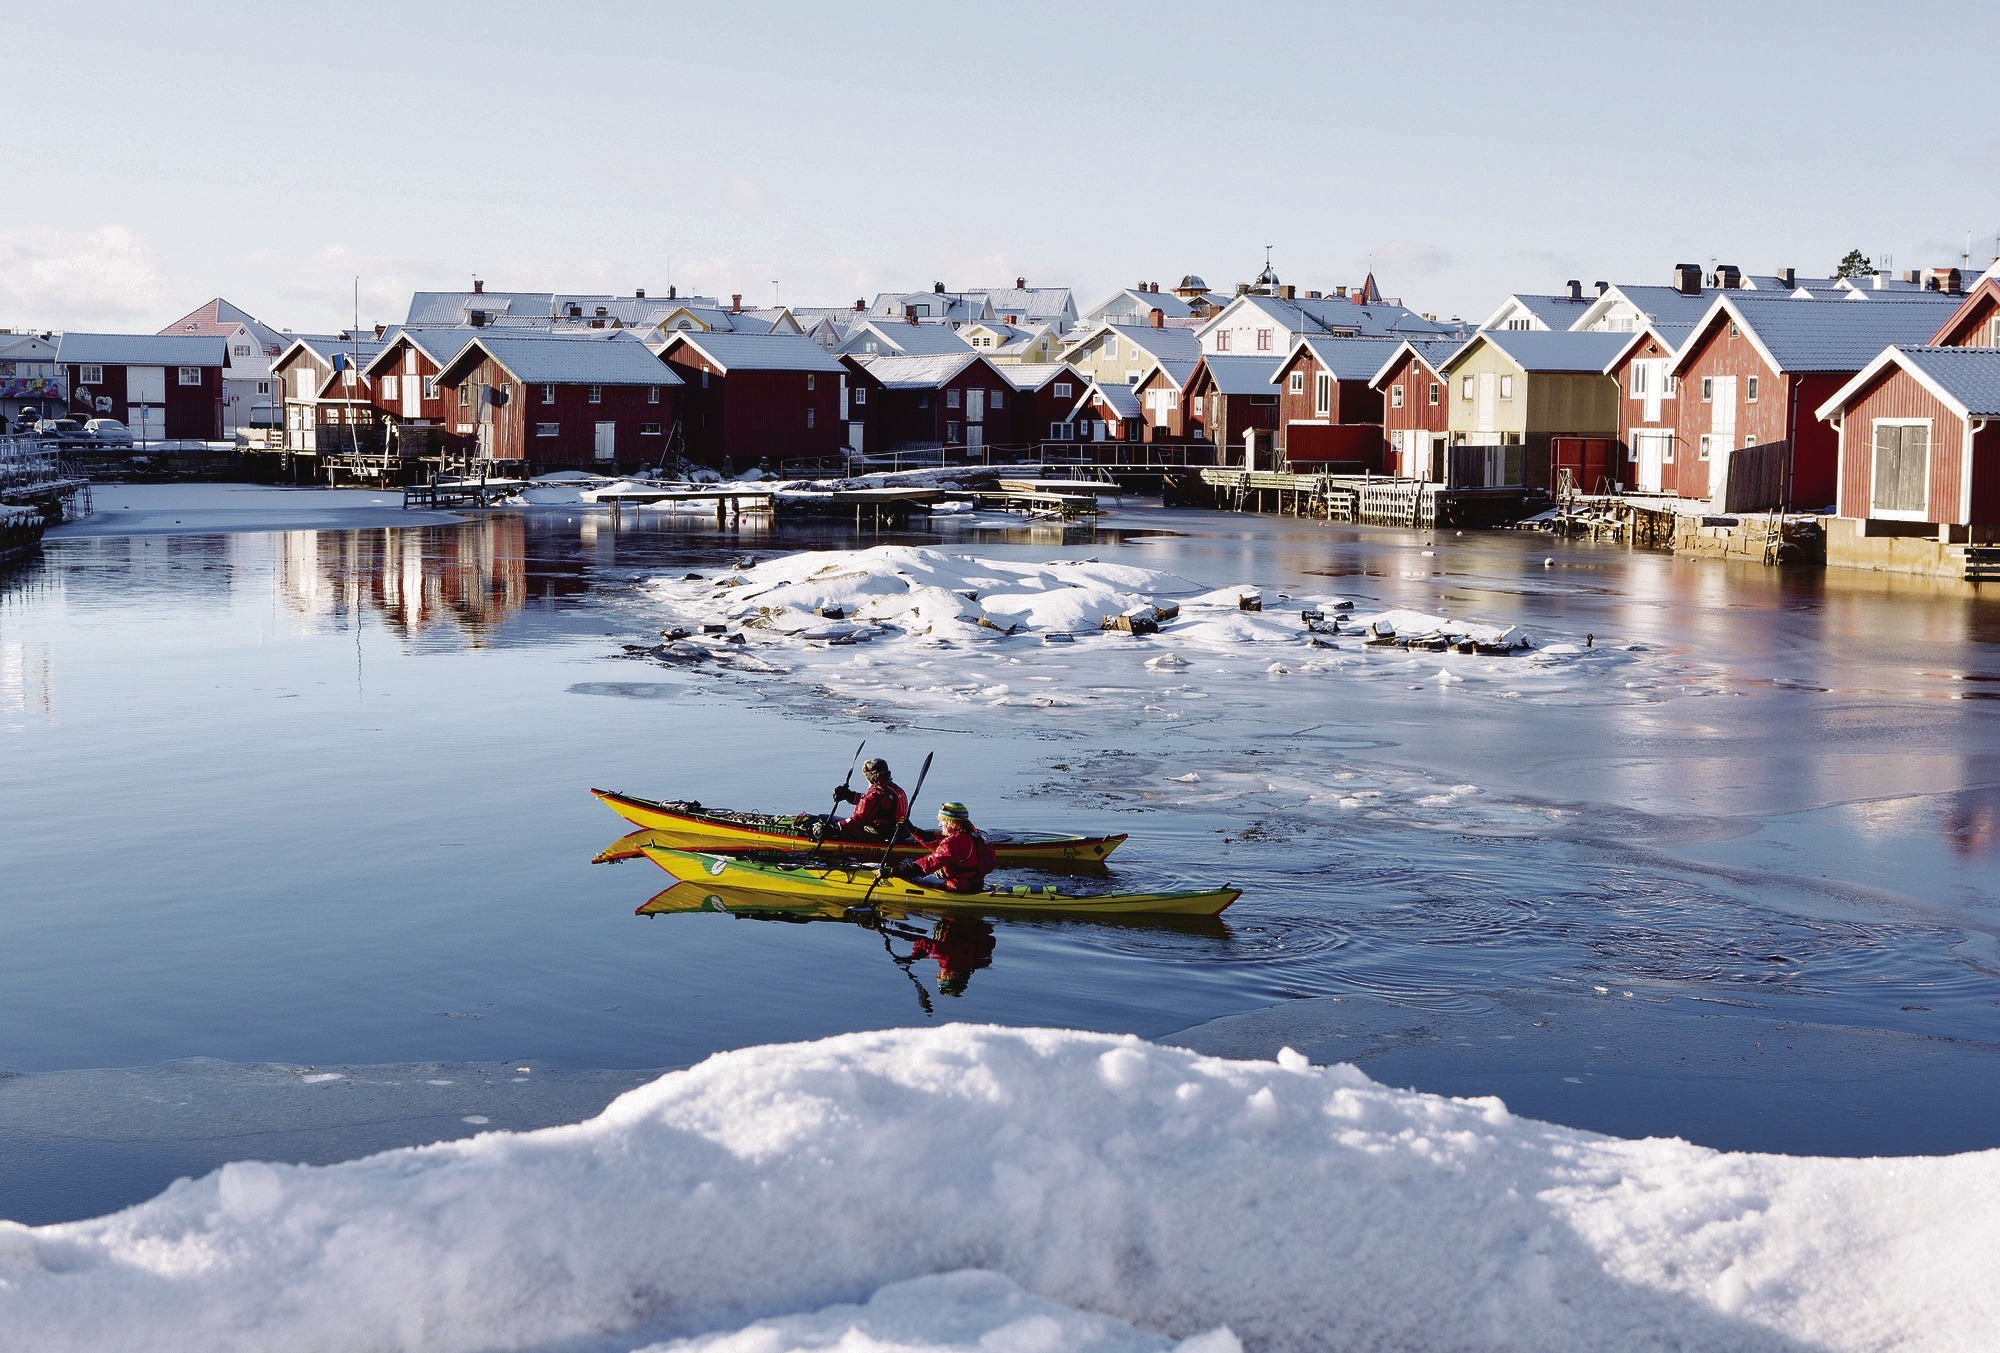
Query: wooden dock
461 493
1369 500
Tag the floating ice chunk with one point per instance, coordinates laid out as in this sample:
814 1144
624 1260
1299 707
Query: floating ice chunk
1166 661
1189 779
1278 669
1446 678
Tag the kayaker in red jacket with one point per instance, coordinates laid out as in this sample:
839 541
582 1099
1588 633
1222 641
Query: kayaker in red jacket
961 860
876 811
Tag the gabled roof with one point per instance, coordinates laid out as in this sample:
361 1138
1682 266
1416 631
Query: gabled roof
440 345
1178 372
1813 336
1168 304
1558 311
1035 375
1432 352
612 358
1660 305
945 306
1539 350
1985 291
444 309
219 318
1045 304
1348 359
900 337
758 352
1117 396
1159 344
1668 336
143 349
1245 375
917 373
326 347
1967 380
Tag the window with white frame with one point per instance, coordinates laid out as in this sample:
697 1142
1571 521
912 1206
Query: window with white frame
548 394
547 429
1750 390
1323 392
263 387
1506 387
812 382
1298 382
951 430
1707 441
1395 396
1708 389
1111 347
997 400
1465 388
1641 372
1434 393
860 394
652 394
389 384
1061 390
1902 467
349 377
810 412
1994 341
430 387
1670 385
649 429
464 396
90 375
951 399
596 394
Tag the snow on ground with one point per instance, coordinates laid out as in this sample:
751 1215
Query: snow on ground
943 629
757 1197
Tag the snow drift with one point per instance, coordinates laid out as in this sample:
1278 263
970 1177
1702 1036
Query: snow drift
1299 1207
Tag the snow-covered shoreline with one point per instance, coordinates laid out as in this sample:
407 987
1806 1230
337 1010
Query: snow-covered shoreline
1300 1207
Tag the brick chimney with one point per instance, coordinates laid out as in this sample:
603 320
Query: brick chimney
1287 291
1728 276
1788 277
478 287
1157 318
673 292
1575 289
1020 284
639 294
379 330
1687 279
910 314
735 302
1341 292
859 306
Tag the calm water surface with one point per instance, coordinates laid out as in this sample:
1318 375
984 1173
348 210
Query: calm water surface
319 797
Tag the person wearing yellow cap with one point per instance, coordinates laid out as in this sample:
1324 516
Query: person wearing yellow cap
962 858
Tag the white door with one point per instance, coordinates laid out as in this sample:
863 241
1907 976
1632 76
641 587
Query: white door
145 385
413 395
975 408
854 431
1489 385
975 436
147 421
607 441
1722 433
1649 452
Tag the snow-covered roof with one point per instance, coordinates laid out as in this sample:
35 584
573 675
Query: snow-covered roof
759 352
143 349
910 340
1349 359
1161 344
1034 375
1814 336
1169 305
1177 370
1966 379
1556 351
1121 399
1050 305
1242 375
916 373
614 358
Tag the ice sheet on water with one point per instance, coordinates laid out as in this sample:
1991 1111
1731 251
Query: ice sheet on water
1102 1174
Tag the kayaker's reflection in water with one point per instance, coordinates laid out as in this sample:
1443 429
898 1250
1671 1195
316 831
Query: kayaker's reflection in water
961 945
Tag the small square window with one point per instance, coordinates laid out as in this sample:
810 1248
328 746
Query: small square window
1061 390
951 399
263 387
596 394
90 375
240 350
1733 330
191 375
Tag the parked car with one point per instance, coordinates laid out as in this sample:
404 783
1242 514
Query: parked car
67 428
108 430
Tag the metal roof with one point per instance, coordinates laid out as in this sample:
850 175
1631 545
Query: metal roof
1815 336
1350 359
1554 351
1558 311
1243 375
1177 370
546 359
761 352
1168 304
1971 376
909 340
144 349
1164 344
1034 375
1432 352
1121 399
916 373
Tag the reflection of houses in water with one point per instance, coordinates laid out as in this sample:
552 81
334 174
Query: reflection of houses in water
474 575
27 683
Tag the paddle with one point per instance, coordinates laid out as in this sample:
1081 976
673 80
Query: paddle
897 832
845 784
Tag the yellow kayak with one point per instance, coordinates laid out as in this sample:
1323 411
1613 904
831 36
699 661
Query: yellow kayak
688 826
814 888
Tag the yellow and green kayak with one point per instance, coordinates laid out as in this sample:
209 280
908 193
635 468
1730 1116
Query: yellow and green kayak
818 888
689 826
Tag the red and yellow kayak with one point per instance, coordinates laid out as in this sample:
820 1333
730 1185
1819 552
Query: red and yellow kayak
688 826
825 889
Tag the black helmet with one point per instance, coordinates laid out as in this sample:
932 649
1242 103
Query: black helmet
875 766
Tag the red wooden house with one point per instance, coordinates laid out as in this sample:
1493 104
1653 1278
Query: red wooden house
403 385
326 399
1754 368
1226 397
165 387
1107 411
1044 393
749 397
1649 407
595 399
1328 411
949 400
1415 416
1919 458
1162 393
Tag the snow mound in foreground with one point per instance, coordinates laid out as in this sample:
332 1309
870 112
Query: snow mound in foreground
1301 1208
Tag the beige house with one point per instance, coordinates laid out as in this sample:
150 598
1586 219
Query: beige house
1513 391
1009 345
1122 354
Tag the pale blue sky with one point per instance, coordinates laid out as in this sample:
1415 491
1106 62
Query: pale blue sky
164 154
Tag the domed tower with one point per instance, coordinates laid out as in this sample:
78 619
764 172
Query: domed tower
1267 280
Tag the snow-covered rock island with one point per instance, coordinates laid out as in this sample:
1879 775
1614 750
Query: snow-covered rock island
979 1188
